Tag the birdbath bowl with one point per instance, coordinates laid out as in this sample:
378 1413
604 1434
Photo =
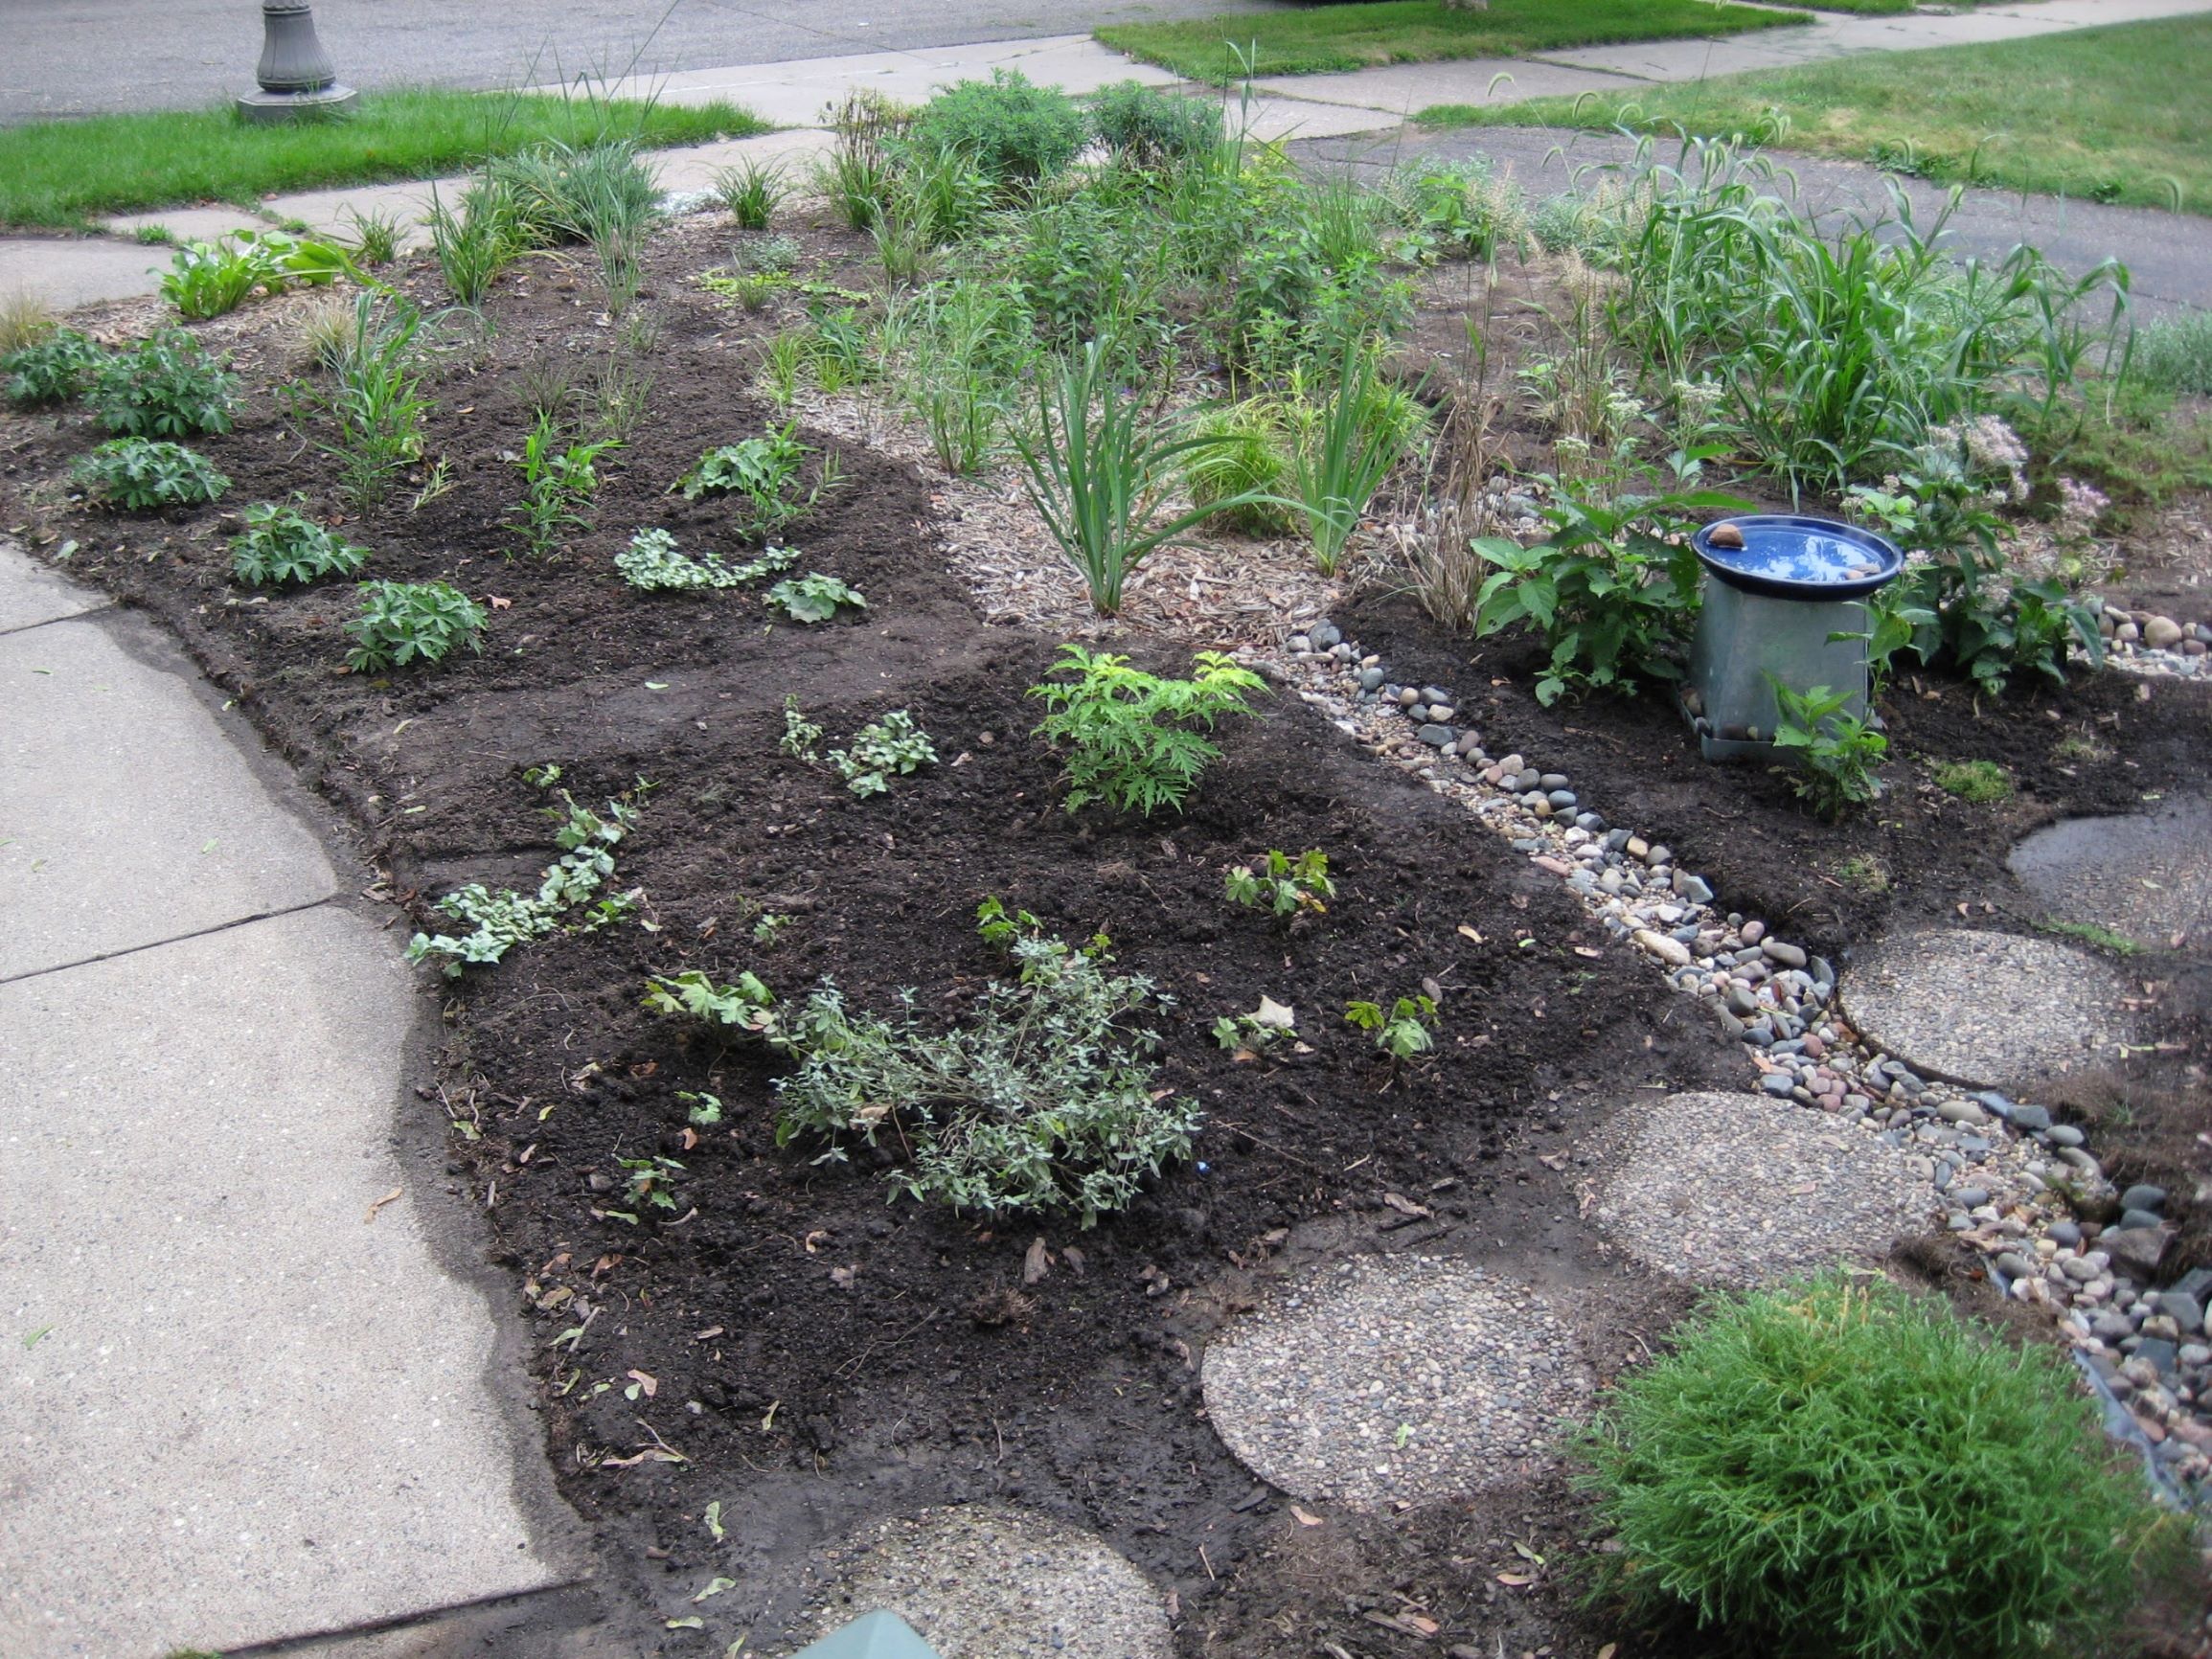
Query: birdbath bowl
1785 595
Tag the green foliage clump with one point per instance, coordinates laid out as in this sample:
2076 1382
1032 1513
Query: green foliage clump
567 895
814 597
1288 885
2175 353
762 473
1844 1468
1150 127
1405 1030
53 370
891 747
1132 736
558 485
1245 461
408 622
168 388
653 564
1976 782
281 544
1014 132
373 408
1837 754
138 475
1043 1102
208 279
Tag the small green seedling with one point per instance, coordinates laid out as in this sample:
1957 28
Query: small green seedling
801 738
814 597
1254 1034
747 1007
706 1110
770 929
650 1179
1287 888
1837 754
893 746
1407 1030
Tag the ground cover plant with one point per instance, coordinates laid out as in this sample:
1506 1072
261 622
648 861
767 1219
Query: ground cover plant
1324 39
928 1322
2104 114
1839 1466
65 174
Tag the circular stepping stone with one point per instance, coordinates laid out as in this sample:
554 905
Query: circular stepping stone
1739 1189
1987 1009
2147 875
1401 1379
986 1582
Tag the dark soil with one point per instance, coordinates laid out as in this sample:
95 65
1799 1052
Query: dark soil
817 1355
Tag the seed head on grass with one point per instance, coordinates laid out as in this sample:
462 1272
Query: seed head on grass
1841 1468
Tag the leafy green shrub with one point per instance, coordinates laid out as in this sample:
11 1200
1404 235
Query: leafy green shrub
1015 132
1043 1102
747 1007
1841 1468
53 370
891 747
373 405
281 544
1453 210
1606 590
967 342
1837 754
137 474
567 895
814 597
168 388
1976 782
1288 887
1150 128
2173 354
1129 735
208 278
406 622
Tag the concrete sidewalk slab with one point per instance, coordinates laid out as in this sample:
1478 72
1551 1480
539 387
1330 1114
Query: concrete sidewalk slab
128 815
1405 89
253 1413
67 272
31 593
188 224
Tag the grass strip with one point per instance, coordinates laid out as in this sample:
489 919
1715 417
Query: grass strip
65 174
1317 39
2115 114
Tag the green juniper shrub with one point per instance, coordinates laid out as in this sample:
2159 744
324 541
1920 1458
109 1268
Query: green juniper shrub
53 370
1841 1467
138 475
1837 755
1132 738
1149 126
1043 1102
410 622
283 544
168 388
1014 133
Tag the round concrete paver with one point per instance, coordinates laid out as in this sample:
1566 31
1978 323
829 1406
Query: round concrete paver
2147 875
1739 1189
986 1582
1403 1379
1985 1009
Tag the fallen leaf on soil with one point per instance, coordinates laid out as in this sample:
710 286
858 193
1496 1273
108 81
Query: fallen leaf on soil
391 1197
1608 1650
1469 933
498 604
650 1384
815 1240
1552 1161
1273 1016
1424 1625
709 1335
1404 1205
1036 1262
1516 1579
1303 1518
715 1587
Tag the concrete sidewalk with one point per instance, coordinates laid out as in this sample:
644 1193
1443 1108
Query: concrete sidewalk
251 1393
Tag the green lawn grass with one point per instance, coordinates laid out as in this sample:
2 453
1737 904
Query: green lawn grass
2115 114
64 174
1314 39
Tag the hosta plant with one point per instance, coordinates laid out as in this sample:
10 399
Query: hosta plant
138 475
281 544
208 278
410 622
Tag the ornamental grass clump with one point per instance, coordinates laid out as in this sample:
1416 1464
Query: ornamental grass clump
1841 1467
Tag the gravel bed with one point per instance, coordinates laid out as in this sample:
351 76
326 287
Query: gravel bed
1398 1380
1736 1189
986 1582
1989 1010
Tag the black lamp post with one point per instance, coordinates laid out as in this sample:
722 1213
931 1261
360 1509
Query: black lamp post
296 75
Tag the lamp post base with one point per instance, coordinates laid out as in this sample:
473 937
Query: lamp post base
263 105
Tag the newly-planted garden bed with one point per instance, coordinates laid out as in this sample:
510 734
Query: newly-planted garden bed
631 809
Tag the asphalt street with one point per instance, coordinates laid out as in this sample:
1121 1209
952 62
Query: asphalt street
80 56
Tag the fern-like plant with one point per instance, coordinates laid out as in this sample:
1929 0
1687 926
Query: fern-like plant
1132 738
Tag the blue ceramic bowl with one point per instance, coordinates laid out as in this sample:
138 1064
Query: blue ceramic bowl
1787 555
